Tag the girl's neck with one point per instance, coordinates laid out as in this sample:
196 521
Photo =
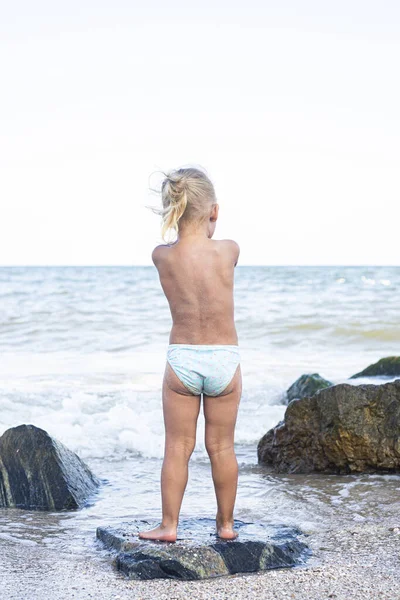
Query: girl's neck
192 232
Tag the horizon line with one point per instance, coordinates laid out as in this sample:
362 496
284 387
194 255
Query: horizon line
105 266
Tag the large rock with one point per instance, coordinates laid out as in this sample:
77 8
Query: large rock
198 553
386 367
38 472
341 429
307 385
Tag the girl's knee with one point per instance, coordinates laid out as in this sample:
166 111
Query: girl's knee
180 446
216 448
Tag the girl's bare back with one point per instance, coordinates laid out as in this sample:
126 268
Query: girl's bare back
197 277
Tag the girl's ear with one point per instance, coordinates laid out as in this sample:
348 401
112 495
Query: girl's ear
214 213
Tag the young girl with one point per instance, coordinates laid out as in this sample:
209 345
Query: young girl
197 275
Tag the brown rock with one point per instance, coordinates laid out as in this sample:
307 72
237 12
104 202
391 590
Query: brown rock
340 429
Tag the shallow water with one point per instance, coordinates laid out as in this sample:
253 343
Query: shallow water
83 353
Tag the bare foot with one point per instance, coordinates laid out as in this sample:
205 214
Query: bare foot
164 534
226 532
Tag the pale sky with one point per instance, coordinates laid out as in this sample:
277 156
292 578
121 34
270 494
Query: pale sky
292 107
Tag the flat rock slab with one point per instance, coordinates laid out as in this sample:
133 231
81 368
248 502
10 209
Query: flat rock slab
198 553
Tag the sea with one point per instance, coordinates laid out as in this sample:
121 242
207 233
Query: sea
82 355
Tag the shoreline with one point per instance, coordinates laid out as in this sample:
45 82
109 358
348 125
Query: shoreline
360 561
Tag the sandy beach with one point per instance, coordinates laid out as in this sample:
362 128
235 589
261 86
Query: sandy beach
359 562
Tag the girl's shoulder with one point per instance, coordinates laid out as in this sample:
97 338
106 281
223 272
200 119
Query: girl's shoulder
230 248
231 243
159 252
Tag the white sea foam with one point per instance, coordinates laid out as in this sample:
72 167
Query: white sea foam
109 406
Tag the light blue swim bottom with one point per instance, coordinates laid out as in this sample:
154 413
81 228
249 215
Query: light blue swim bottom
204 369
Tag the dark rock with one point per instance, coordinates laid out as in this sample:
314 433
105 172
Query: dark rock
38 472
342 429
199 554
307 385
386 367
235 556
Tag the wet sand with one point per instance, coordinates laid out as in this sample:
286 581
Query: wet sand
360 561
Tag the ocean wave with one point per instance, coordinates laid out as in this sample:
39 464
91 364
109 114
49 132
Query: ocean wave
390 333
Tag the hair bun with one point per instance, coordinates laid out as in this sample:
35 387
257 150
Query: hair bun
176 187
185 192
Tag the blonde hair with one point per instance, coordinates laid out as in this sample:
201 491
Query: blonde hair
186 195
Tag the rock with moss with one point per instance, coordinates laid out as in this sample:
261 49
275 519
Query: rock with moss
198 553
307 385
38 472
385 367
341 429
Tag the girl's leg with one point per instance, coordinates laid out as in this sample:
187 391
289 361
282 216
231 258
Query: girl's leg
220 414
181 410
